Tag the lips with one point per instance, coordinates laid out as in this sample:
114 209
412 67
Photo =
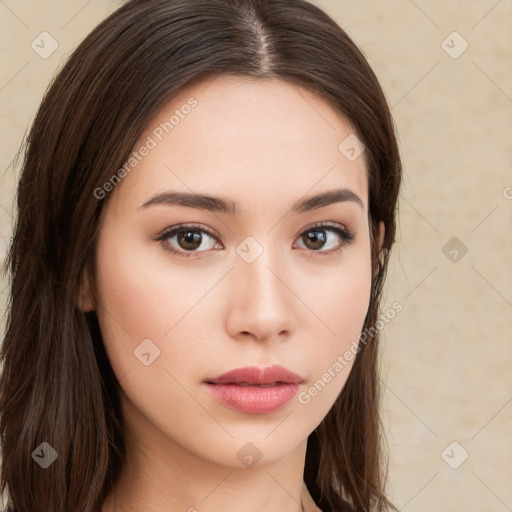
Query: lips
255 390
254 376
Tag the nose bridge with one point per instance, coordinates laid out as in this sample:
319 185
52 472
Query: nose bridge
262 302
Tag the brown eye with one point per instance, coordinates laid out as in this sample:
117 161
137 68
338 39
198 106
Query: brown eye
188 240
314 240
326 238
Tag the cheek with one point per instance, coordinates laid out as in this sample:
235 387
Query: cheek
131 295
145 297
349 304
341 304
141 293
343 296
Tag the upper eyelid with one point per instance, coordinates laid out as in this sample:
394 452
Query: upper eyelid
330 225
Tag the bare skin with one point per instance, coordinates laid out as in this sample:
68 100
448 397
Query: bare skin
264 145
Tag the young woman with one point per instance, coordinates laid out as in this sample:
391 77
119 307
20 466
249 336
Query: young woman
205 214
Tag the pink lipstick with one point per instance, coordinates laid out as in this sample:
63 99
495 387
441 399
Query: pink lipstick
255 390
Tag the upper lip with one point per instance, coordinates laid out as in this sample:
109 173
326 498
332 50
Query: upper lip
256 375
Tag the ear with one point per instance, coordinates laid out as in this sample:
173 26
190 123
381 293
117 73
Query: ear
85 299
376 255
382 231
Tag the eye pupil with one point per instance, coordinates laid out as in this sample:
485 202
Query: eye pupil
318 239
191 239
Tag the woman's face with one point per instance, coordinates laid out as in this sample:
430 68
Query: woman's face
249 280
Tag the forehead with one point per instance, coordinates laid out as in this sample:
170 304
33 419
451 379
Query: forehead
242 137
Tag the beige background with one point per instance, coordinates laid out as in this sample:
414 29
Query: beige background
447 356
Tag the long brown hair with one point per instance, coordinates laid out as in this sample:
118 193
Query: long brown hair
57 384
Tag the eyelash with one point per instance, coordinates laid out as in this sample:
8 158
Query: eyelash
345 234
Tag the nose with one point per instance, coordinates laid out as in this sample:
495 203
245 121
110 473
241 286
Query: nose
262 304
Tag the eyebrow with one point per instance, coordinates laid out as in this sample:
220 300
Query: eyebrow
228 207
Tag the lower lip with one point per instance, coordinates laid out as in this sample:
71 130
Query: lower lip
253 399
